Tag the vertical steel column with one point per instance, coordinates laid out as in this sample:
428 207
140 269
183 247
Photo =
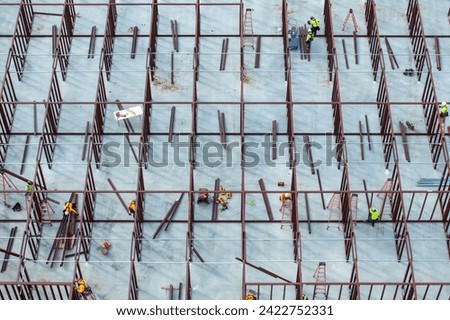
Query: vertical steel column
338 126
153 33
133 288
109 35
65 36
51 118
22 34
354 287
87 212
7 109
139 216
436 138
285 31
417 35
385 117
373 36
347 220
329 36
145 128
98 121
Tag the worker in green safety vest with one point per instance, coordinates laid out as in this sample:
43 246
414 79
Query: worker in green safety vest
373 215
314 22
443 109
309 38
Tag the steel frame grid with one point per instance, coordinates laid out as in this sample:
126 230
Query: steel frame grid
24 288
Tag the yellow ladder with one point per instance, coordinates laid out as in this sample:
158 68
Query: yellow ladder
286 214
355 25
248 28
334 205
321 279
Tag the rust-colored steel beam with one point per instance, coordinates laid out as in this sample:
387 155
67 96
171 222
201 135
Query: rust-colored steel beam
368 132
258 52
124 204
404 141
274 140
134 42
392 58
309 153
9 246
345 54
171 123
91 50
85 141
174 28
361 141
437 53
24 154
266 199
223 56
166 217
355 46
214 199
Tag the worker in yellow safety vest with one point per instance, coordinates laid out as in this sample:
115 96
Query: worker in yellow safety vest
314 23
131 207
250 297
81 286
373 215
309 38
284 196
443 109
69 208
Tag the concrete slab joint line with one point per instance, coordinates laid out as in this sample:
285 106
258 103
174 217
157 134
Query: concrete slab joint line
170 130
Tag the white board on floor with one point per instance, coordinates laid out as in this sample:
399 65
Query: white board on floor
128 113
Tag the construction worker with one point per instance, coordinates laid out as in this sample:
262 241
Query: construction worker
284 196
304 297
309 38
29 186
69 208
250 296
81 286
373 215
223 202
28 189
131 207
443 110
314 23
104 247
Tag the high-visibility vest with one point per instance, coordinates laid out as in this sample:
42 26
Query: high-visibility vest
81 286
309 36
132 205
373 214
250 297
444 109
315 22
68 207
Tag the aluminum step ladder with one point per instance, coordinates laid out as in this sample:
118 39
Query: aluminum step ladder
386 188
354 206
320 288
334 206
286 214
350 14
248 28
